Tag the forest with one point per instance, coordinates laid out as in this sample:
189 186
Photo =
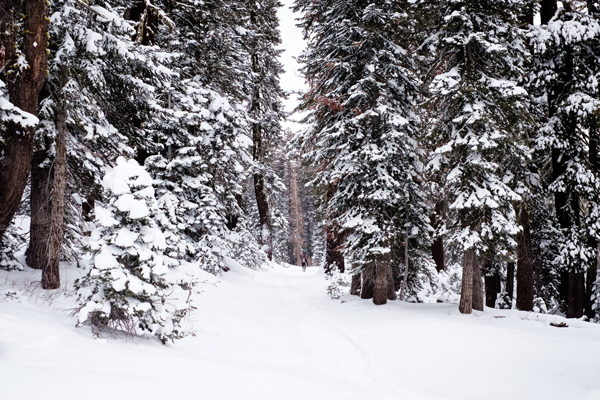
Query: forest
447 152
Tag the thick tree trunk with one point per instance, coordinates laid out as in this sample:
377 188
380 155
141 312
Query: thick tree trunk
524 264
492 285
510 279
23 89
355 286
381 289
41 212
466 291
477 286
368 282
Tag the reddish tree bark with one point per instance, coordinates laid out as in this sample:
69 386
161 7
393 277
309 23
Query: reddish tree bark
24 87
368 282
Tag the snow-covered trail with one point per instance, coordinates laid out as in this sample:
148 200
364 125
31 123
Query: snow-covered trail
276 335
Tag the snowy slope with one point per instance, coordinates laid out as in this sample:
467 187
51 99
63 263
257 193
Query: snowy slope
277 335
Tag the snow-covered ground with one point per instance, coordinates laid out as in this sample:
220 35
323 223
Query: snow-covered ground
276 334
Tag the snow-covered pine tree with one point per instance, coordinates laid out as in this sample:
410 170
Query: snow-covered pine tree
266 111
203 164
480 116
363 88
130 286
101 91
565 71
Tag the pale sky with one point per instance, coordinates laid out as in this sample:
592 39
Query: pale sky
293 44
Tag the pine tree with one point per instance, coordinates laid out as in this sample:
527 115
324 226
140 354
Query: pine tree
479 115
130 286
363 88
266 110
566 70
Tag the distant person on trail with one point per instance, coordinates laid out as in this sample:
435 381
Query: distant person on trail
304 262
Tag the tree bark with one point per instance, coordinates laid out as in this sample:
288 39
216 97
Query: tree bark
368 282
466 291
477 286
23 89
50 271
524 264
41 212
397 277
510 279
355 286
380 291
391 285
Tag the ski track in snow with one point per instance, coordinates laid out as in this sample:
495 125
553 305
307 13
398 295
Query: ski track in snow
276 335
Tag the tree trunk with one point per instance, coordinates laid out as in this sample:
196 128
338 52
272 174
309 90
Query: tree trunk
477 286
50 271
296 220
264 217
437 247
492 285
391 285
510 279
397 277
548 10
333 256
575 301
41 212
524 264
466 290
368 282
380 291
23 89
437 251
355 286
266 236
